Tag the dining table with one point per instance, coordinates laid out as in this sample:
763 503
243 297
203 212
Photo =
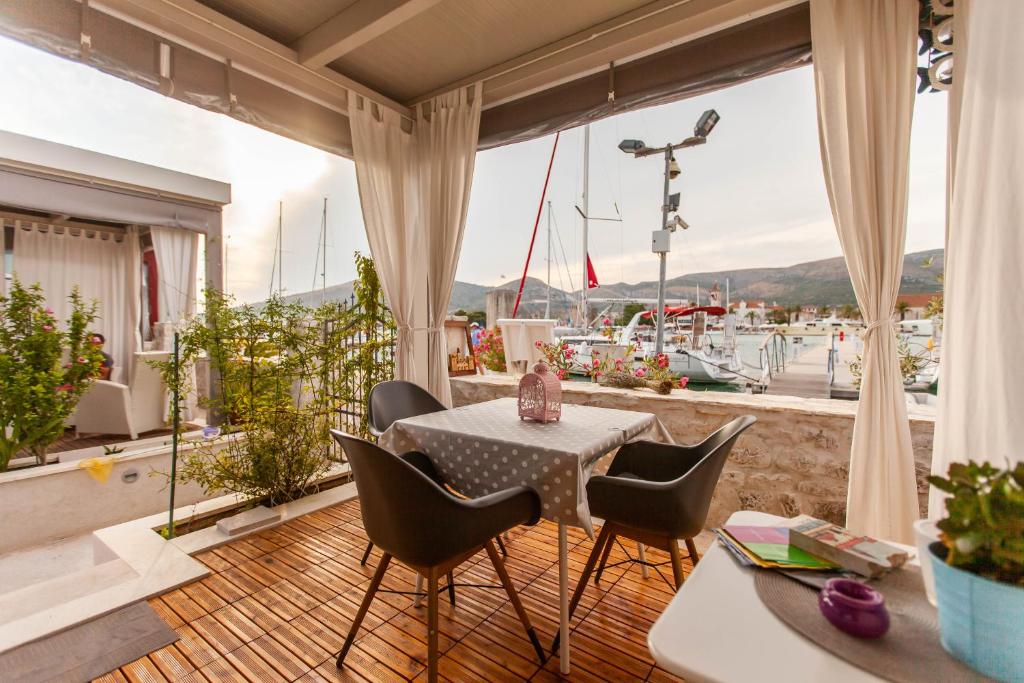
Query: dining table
485 447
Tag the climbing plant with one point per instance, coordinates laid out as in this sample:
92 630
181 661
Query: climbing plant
283 374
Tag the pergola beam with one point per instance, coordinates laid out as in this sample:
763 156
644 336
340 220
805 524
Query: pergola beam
632 35
195 25
355 26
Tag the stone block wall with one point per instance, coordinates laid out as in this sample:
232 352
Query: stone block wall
794 460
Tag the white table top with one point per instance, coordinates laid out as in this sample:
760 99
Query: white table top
717 630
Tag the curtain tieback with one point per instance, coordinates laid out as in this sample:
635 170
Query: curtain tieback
877 325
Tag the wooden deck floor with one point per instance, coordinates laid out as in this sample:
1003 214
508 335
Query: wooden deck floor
279 604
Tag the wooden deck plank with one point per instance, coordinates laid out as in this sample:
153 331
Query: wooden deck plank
278 605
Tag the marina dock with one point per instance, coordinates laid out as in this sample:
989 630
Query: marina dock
807 376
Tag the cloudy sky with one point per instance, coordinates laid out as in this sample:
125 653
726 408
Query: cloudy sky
753 195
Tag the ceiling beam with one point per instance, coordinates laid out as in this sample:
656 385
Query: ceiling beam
632 35
197 26
354 26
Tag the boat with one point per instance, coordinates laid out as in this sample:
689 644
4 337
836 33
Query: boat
820 327
691 351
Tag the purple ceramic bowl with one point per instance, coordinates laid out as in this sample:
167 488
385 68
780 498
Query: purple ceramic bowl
854 608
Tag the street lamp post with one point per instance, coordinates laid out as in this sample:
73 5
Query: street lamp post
661 239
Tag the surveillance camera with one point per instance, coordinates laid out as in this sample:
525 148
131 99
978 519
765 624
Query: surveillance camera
678 222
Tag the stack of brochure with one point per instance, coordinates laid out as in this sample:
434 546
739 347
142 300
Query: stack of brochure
769 547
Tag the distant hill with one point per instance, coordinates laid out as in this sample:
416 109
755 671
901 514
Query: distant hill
824 282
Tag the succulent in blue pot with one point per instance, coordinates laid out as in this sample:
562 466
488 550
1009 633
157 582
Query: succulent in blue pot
979 567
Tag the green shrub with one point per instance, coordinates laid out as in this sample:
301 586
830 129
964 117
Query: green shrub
44 369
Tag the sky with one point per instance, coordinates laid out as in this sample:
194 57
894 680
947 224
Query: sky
753 196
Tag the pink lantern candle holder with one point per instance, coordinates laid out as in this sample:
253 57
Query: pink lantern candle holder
540 395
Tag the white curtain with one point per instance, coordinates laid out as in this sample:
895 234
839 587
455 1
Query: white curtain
414 189
447 137
981 407
864 73
177 257
101 269
385 159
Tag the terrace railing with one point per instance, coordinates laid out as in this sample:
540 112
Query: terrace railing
366 334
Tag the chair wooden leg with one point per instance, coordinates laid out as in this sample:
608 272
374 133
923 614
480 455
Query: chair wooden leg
499 567
451 588
432 609
677 561
604 555
366 555
604 541
378 576
692 549
501 546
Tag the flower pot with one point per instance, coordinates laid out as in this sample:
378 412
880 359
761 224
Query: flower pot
981 621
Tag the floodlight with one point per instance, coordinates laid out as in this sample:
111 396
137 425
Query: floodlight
632 146
706 123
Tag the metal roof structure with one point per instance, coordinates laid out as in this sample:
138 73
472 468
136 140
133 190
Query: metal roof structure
290 66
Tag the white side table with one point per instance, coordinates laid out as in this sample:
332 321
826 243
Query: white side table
717 630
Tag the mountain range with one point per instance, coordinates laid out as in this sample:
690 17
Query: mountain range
824 282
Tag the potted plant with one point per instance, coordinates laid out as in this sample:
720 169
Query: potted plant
979 568
490 351
44 369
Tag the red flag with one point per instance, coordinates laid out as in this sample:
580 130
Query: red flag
591 275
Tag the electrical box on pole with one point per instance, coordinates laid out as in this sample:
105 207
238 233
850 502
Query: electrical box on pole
660 241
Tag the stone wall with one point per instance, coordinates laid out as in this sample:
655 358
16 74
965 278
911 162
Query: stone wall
794 460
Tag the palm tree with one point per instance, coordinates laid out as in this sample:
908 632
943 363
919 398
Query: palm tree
824 310
790 311
848 312
751 315
902 307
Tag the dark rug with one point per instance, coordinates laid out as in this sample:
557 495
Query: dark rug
89 650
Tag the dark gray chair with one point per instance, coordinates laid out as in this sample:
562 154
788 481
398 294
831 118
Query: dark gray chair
656 494
396 400
414 520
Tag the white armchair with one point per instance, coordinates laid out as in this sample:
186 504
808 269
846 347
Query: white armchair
112 408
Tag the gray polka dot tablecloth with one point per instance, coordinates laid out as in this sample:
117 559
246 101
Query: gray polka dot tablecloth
485 447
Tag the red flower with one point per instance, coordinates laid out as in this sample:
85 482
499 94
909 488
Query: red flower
683 381
83 360
64 387
640 372
538 343
560 374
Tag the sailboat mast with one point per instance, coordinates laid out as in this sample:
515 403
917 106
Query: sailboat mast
323 248
726 295
547 306
280 223
586 213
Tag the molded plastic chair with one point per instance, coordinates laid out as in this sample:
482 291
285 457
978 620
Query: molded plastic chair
417 522
396 400
655 494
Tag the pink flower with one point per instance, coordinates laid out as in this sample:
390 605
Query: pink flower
64 387
569 353
538 343
47 328
560 374
640 372
67 366
683 381
618 363
49 311
598 375
83 360
662 361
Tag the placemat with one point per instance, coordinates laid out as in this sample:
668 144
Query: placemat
910 652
